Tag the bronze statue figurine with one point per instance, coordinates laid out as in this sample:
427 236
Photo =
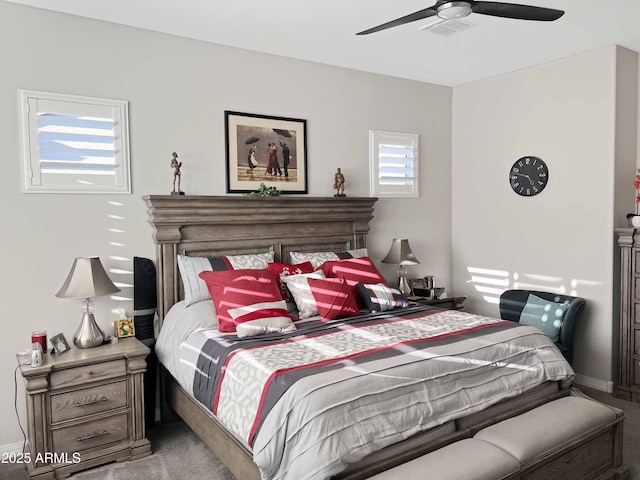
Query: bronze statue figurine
175 164
339 184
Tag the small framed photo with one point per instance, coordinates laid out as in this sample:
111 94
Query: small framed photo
124 328
60 344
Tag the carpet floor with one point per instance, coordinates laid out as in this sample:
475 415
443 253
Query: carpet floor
179 454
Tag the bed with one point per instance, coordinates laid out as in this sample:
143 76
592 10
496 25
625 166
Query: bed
193 227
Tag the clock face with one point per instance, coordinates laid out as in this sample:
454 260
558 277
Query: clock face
528 176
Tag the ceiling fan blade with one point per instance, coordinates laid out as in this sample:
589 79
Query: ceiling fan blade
426 13
514 10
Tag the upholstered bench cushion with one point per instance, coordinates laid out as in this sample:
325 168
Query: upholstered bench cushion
548 426
468 459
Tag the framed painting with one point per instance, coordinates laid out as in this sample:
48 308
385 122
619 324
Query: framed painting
265 149
60 344
124 327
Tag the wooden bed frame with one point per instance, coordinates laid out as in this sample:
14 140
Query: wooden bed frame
228 225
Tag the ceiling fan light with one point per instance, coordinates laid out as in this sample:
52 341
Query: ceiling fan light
453 10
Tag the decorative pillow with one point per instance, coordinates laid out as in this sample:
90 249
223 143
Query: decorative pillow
318 258
315 258
333 297
299 287
261 318
354 271
286 269
195 290
238 288
379 297
545 315
358 252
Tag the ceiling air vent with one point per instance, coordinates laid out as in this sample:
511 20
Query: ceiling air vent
448 27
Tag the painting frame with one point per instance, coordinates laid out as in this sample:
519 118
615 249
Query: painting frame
124 327
60 344
247 132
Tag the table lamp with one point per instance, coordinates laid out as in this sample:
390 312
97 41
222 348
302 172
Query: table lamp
87 279
400 253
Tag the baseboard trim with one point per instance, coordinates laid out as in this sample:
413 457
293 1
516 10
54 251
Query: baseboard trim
598 384
11 448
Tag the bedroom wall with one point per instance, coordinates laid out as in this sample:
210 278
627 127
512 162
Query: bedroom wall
579 116
178 90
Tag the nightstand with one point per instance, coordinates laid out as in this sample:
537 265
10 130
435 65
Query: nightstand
85 407
450 303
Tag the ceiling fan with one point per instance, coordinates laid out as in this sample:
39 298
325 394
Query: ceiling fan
448 10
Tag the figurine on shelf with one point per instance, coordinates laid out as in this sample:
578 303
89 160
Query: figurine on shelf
339 184
175 164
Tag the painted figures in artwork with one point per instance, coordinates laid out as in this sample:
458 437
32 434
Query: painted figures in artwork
251 159
175 164
339 184
273 168
286 155
271 159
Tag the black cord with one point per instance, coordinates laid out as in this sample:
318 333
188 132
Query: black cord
15 405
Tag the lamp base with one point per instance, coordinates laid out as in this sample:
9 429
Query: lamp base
88 334
403 284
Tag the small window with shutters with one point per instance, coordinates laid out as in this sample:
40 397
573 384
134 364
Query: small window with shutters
74 144
394 164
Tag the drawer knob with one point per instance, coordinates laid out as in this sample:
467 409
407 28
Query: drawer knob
92 435
91 402
90 372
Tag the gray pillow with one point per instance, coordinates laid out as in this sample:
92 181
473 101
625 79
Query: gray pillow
545 315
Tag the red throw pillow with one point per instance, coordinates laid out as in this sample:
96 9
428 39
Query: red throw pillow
286 269
238 288
354 271
333 297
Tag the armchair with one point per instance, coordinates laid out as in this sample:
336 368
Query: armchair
512 303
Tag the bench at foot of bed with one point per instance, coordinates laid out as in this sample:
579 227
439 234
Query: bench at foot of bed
573 437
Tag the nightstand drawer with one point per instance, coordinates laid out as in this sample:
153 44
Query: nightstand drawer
87 373
76 404
90 434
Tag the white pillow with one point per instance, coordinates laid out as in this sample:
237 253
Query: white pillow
318 258
359 252
301 292
261 318
195 289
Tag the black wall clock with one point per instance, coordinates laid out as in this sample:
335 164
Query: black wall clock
528 176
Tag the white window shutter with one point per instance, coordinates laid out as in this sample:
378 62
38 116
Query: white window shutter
74 144
394 161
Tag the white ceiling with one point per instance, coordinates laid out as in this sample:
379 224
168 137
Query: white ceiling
324 31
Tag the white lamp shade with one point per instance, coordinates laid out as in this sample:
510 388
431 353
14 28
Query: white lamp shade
87 279
400 253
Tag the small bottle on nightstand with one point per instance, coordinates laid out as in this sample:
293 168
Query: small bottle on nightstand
36 355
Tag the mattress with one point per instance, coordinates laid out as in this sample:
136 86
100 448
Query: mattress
310 402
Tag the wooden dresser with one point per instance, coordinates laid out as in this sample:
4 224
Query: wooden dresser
627 386
85 407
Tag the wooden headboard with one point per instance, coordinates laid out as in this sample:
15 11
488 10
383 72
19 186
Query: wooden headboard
230 225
